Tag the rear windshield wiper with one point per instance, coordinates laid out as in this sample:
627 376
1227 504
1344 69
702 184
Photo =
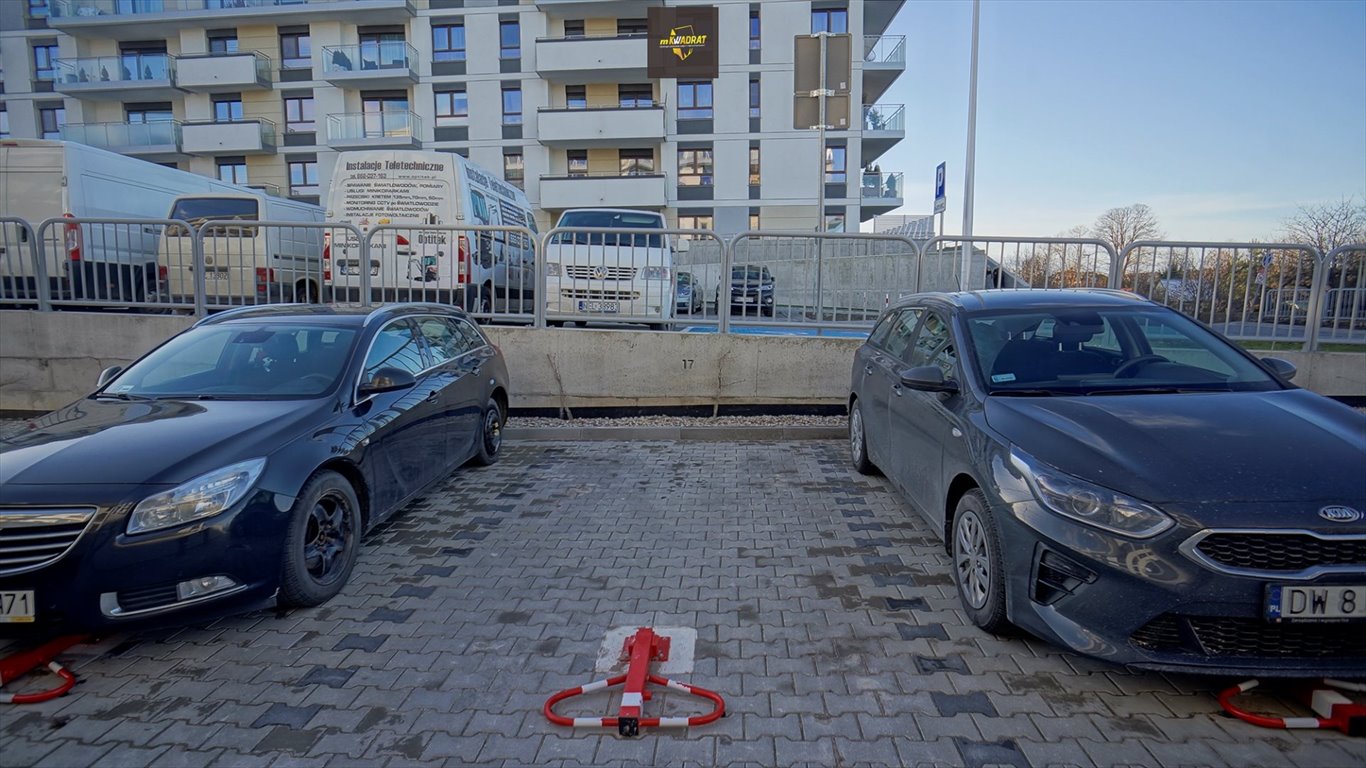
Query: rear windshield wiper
1025 392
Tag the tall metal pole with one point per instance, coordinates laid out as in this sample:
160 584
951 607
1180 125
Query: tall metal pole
820 175
965 278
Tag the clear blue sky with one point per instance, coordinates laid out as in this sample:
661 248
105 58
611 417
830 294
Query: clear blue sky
1222 116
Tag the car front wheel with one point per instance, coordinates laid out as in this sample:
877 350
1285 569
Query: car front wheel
858 441
490 435
322 541
977 566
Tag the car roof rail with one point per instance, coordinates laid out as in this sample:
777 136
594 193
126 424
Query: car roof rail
266 310
412 308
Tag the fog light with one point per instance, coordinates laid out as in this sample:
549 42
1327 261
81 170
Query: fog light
204 585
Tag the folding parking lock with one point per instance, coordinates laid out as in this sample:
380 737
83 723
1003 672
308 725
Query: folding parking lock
17 665
1333 709
641 649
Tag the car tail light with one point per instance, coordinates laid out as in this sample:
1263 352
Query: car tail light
462 270
264 277
327 255
162 272
402 240
72 235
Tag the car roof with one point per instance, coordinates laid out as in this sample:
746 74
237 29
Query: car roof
1027 298
351 316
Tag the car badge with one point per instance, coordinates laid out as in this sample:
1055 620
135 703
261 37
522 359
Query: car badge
1340 514
599 273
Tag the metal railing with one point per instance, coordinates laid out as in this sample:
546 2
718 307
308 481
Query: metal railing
125 68
375 56
67 9
884 49
1014 262
884 117
886 185
354 126
123 137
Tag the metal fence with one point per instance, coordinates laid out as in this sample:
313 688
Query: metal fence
684 279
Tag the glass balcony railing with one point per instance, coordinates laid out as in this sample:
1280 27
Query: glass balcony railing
884 49
884 117
124 136
356 126
126 68
881 184
376 55
66 9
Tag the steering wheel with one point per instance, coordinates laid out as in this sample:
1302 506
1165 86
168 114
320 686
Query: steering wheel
1129 368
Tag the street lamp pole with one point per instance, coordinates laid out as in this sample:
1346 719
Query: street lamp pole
965 278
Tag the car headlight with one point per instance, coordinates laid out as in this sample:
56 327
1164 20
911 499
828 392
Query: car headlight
1088 503
552 269
655 273
204 496
766 287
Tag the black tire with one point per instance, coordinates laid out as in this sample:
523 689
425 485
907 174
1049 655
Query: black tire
322 541
858 441
768 311
489 440
978 569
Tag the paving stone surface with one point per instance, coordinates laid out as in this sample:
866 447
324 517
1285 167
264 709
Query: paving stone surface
824 611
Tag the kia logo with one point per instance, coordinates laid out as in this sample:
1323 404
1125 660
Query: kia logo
1340 514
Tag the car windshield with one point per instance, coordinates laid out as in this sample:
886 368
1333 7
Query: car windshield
1083 351
749 274
240 362
611 220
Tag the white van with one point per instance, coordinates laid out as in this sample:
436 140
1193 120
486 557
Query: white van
245 264
485 272
41 179
602 274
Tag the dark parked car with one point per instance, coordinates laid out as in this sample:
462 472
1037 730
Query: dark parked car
751 291
240 462
1116 478
689 296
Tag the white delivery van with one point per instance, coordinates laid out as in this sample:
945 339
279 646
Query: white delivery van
41 179
245 264
485 272
621 277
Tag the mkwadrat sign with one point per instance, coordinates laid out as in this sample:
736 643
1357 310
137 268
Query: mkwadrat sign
683 42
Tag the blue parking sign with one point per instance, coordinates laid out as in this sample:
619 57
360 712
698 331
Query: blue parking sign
941 200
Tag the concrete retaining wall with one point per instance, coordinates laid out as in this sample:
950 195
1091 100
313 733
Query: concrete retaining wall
48 359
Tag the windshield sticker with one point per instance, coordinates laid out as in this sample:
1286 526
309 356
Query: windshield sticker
1001 378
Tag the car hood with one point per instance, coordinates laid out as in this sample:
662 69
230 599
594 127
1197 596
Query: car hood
1282 446
110 442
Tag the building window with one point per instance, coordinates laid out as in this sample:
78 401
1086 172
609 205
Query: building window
222 43
299 115
44 62
448 42
694 221
296 50
4 122
50 122
386 116
754 97
578 162
694 100
754 222
694 168
636 162
635 95
227 108
834 222
632 27
37 9
834 20
754 30
573 28
834 165
514 171
232 170
452 108
158 113
303 178
509 40
753 166
383 50
576 96
512 105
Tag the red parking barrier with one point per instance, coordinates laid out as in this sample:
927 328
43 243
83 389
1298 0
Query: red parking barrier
19 664
642 649
1334 710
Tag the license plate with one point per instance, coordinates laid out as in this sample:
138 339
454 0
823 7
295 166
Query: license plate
1306 604
599 306
215 276
16 607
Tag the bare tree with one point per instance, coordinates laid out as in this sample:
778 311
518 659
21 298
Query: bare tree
1328 225
1121 226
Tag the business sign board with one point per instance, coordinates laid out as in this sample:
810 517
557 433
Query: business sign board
683 42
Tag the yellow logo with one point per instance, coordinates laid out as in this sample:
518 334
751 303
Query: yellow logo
682 41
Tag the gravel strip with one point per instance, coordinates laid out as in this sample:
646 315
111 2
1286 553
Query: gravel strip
526 422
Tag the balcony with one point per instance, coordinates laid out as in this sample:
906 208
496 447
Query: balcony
144 19
603 190
881 192
591 59
375 130
603 9
223 73
128 77
600 126
884 59
378 64
155 141
879 15
883 126
240 137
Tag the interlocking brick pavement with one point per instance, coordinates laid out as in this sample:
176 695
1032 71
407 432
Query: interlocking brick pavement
824 609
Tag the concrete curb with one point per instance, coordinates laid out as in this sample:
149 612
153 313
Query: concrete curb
528 434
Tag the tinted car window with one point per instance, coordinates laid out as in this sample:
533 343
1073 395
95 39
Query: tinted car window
934 346
473 339
395 346
901 332
443 341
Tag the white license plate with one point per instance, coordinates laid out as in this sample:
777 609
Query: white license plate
1326 603
16 607
599 306
214 277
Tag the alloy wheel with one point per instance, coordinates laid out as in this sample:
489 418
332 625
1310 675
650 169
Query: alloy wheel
327 538
972 559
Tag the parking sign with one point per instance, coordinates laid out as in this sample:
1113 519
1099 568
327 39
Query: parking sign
941 200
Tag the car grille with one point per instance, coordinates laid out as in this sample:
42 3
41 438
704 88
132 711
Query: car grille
33 538
576 293
1282 552
580 272
147 598
1220 636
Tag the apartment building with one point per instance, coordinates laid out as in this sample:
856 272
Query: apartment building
554 93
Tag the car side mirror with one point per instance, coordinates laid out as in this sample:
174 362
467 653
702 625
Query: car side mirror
387 380
927 378
107 375
1283 368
